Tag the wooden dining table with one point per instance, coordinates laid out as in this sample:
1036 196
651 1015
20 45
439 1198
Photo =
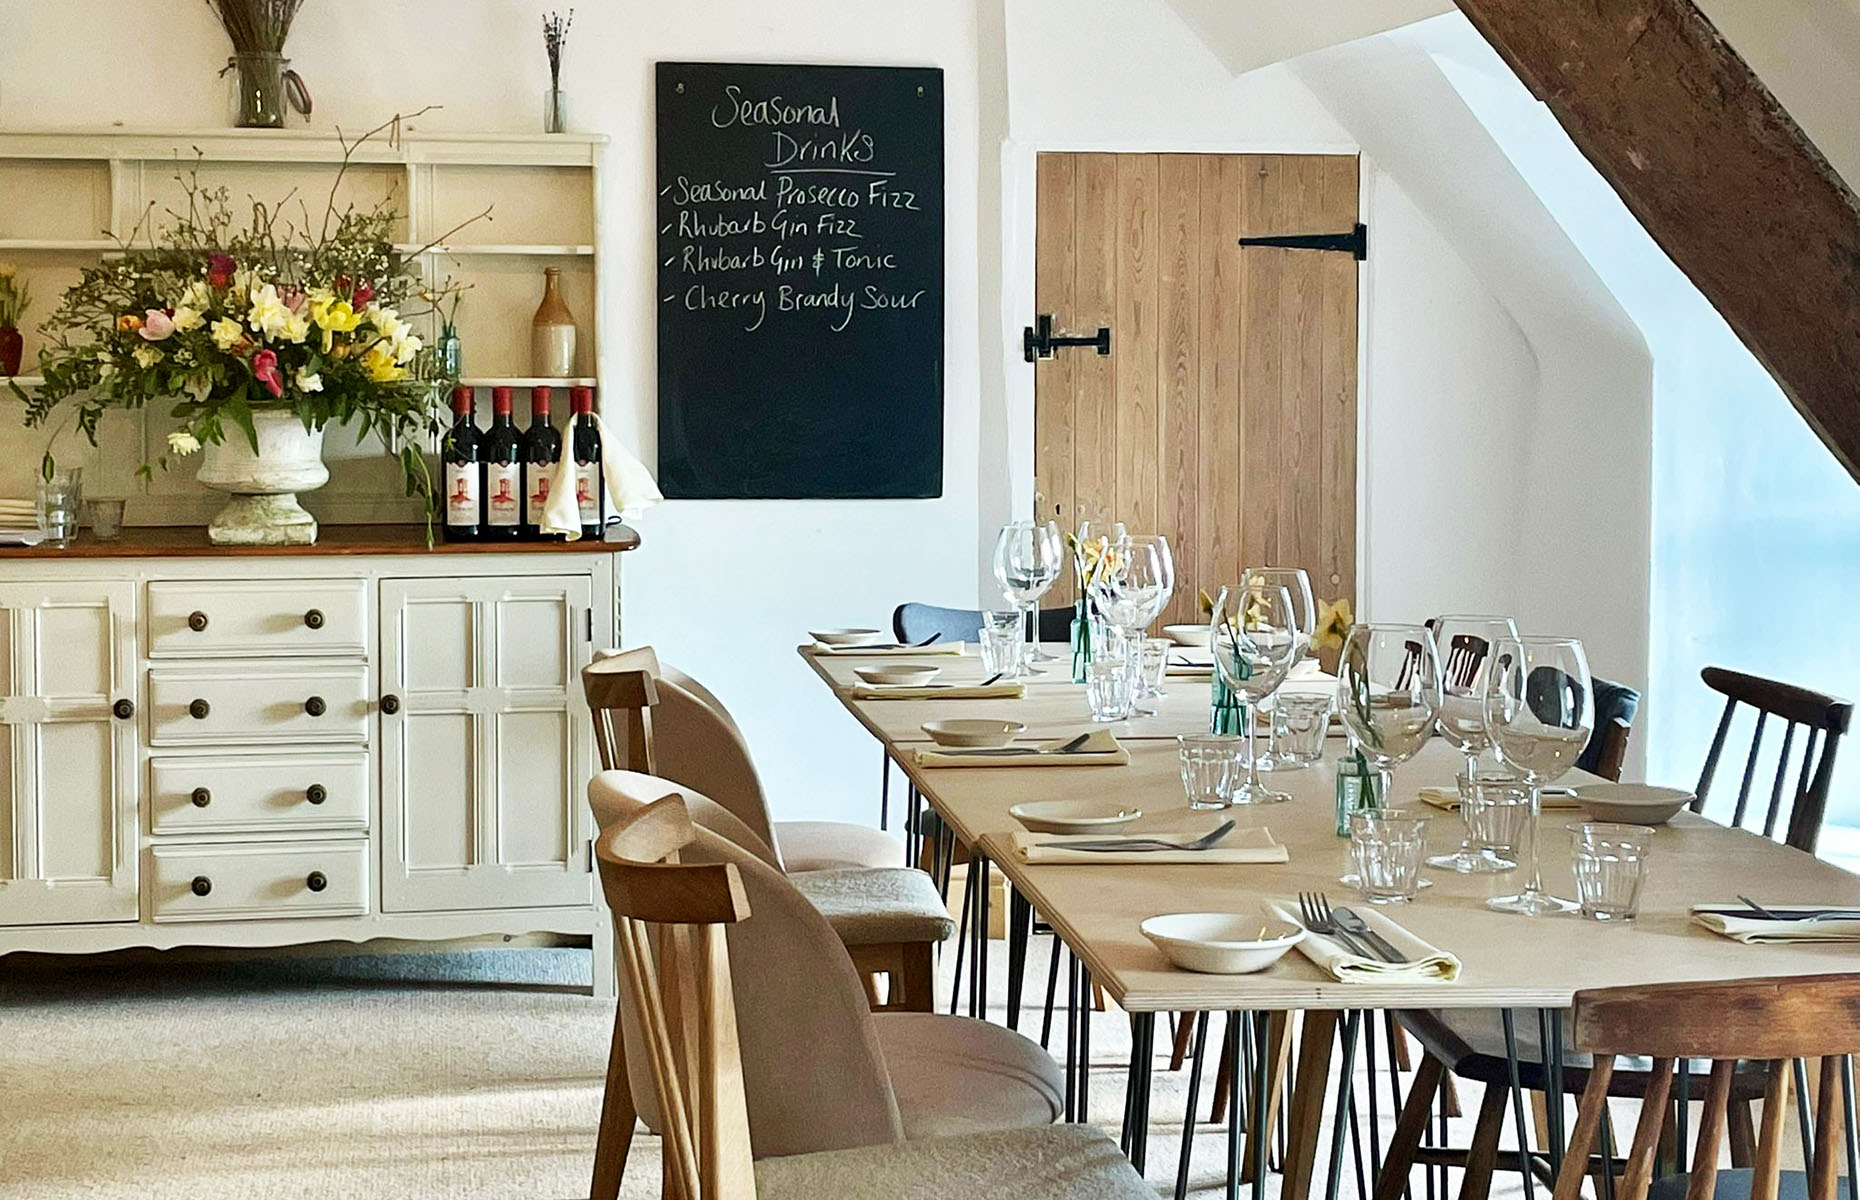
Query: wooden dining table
1507 961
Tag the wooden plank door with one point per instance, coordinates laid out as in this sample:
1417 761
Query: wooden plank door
1225 415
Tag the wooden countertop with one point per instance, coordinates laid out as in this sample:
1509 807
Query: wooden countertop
180 541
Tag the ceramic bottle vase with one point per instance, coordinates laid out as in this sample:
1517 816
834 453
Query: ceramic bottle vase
552 332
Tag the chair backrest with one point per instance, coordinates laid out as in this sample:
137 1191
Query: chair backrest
915 622
1465 653
1616 705
1765 1020
659 721
1824 718
679 986
813 1071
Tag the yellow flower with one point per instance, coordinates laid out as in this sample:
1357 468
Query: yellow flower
1333 623
295 328
195 296
380 365
187 319
227 333
333 317
147 356
8 270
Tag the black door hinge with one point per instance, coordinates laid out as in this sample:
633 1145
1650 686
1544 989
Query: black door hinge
1355 242
1039 341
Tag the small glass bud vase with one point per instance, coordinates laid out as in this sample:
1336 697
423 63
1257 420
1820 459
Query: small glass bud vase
552 332
1226 710
1360 787
555 111
451 352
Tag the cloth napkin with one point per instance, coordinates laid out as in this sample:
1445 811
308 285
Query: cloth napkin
1754 930
1426 963
1241 846
826 651
1449 799
949 691
1190 662
1100 750
631 489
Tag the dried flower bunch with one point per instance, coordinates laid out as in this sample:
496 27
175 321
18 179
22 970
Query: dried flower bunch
256 26
306 315
14 296
555 36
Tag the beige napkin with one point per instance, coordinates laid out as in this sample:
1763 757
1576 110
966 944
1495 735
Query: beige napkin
826 651
1426 963
949 691
1100 750
1449 799
1254 845
1190 662
630 487
1756 931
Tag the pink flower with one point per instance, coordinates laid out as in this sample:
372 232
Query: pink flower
364 292
292 298
156 325
220 270
265 370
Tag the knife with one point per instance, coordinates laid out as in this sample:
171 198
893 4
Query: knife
1807 914
1071 747
1351 923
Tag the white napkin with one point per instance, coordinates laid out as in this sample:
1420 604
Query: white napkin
826 651
948 691
1101 749
1756 931
1426 963
1252 845
631 489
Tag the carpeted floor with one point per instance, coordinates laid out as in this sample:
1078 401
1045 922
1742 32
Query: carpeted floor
453 1076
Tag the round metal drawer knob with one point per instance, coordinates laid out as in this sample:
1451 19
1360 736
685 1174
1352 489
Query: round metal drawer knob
316 793
199 710
124 709
314 618
316 706
201 885
201 797
317 881
197 621
390 704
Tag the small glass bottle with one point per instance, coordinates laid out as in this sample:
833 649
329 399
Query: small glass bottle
552 331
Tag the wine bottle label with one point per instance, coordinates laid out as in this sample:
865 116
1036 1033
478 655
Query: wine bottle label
462 493
588 491
505 483
538 499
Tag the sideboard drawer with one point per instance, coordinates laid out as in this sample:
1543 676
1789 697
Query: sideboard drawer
258 792
304 704
252 880
210 618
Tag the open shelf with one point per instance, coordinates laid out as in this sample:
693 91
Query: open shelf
80 245
529 251
523 381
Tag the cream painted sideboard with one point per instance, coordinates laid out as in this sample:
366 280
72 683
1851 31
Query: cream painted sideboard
360 739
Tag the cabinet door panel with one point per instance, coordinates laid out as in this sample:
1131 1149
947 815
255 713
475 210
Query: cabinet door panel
67 763
485 764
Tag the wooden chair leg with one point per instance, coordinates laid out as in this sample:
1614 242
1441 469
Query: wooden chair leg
1097 999
1223 1080
1453 1096
1184 1034
1409 1127
917 979
1482 1157
614 1136
1307 1108
1742 1134
1404 1054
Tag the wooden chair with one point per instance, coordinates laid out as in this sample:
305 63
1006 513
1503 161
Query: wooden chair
679 916
892 919
1825 720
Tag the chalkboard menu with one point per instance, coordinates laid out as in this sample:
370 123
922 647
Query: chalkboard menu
800 298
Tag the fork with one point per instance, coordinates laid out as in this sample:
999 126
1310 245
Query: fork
1204 842
1315 908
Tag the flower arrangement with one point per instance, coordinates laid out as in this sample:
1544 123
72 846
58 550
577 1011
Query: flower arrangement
225 320
256 26
14 296
555 37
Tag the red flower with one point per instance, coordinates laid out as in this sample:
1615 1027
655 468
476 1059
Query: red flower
220 270
364 292
341 285
265 370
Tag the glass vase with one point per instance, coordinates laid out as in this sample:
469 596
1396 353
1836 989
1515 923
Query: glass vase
555 111
1226 710
1081 642
451 352
258 80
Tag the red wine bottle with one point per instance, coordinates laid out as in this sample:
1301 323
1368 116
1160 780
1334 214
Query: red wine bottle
586 447
503 472
464 472
542 450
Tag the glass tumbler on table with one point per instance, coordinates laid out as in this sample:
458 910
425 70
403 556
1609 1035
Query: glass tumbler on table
1387 846
1000 651
1210 765
1155 667
1110 688
1300 722
1610 863
1465 643
1495 808
1540 711
61 496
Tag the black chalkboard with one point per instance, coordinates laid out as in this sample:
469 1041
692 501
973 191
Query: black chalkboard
800 298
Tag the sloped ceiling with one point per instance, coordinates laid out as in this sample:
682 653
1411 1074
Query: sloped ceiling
1256 33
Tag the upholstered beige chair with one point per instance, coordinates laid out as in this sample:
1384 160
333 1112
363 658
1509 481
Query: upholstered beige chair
819 1071
891 918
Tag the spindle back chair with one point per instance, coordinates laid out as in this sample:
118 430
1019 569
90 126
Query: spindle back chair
1824 719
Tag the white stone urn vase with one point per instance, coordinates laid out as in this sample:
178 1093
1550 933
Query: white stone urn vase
264 486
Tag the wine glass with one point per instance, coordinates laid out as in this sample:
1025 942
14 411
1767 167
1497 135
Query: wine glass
1539 711
1469 643
1028 559
1388 692
1134 592
1295 581
1253 635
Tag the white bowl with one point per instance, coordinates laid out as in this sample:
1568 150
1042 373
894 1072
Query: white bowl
1632 803
1222 943
973 733
905 674
1073 816
1187 635
848 637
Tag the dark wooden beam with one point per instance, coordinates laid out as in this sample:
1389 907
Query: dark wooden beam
1718 173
